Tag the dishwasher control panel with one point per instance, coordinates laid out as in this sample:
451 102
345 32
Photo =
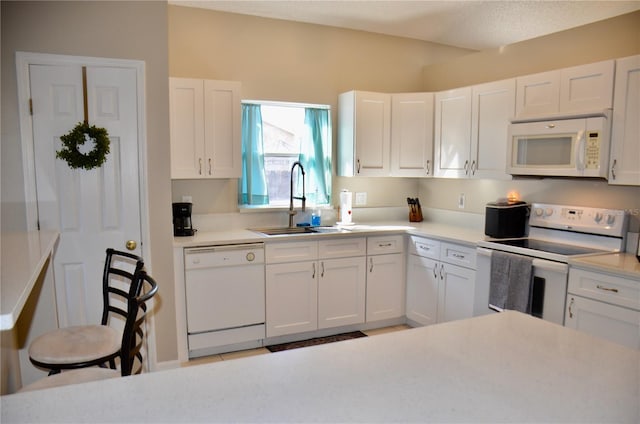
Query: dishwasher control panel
223 255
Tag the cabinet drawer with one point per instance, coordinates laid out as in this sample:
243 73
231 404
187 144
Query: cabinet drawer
342 247
458 255
604 287
291 252
385 244
424 247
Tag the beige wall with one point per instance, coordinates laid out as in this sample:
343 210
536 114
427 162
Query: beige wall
288 61
612 38
124 30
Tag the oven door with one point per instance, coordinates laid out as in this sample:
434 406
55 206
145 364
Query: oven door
549 292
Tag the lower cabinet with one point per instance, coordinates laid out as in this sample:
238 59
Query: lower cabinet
440 281
385 277
326 291
604 305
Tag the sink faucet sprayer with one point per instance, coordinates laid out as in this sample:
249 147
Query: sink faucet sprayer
291 196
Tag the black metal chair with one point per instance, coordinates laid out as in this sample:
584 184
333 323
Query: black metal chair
88 345
131 352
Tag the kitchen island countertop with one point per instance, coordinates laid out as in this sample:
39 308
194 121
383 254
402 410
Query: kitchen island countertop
506 367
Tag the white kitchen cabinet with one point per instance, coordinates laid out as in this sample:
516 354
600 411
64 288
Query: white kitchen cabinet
471 130
493 105
385 277
604 305
314 285
624 166
205 120
341 292
579 89
412 134
440 281
291 298
452 128
364 134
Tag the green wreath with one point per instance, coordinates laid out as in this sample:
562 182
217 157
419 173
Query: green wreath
77 137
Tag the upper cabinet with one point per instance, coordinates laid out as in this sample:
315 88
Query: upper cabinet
412 134
579 89
624 167
364 134
205 120
471 128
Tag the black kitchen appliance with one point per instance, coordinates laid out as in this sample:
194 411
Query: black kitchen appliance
182 220
506 219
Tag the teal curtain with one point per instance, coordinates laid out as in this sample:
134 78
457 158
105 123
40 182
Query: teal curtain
252 188
315 155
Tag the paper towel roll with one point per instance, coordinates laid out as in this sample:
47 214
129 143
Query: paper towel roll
346 198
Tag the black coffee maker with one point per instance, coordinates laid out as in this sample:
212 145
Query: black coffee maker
182 220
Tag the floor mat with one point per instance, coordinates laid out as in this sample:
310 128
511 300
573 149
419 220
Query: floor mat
316 341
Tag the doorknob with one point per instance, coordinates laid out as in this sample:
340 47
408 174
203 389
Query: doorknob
131 244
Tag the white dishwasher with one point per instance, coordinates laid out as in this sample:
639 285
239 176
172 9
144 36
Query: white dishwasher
225 296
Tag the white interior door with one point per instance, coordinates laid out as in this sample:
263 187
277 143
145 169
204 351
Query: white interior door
92 209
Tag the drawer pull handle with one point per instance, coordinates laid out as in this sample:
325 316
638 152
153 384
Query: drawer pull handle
384 245
607 288
458 255
570 306
423 247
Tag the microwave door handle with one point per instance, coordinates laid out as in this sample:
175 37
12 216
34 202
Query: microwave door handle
580 153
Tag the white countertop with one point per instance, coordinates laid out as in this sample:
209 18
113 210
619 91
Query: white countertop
622 264
445 232
23 257
506 367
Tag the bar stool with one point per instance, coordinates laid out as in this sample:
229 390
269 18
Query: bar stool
89 345
131 358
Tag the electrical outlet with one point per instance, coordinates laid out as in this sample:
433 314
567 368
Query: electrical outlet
187 199
361 199
461 201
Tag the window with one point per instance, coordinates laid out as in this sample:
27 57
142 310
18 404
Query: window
274 137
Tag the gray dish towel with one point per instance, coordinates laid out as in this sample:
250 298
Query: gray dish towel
510 286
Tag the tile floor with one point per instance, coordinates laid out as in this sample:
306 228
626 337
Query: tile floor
263 350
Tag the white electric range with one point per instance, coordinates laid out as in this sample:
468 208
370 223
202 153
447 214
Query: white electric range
556 233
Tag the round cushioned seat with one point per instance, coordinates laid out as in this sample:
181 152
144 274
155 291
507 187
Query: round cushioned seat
75 345
81 375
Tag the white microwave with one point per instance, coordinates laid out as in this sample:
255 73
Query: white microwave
576 147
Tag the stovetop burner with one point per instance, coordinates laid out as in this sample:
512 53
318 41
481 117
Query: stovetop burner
550 247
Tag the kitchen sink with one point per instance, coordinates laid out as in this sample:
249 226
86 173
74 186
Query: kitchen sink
288 231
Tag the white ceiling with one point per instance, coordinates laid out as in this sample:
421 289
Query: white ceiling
476 25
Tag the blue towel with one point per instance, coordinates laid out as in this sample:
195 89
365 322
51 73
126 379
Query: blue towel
510 286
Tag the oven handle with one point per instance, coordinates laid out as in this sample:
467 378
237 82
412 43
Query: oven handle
542 264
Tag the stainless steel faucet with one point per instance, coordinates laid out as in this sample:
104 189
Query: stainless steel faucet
291 196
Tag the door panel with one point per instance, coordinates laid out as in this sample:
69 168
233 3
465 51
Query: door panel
92 209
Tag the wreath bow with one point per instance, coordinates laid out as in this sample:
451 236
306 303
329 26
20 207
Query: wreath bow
77 137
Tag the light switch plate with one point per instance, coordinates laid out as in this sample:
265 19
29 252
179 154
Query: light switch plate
361 199
187 199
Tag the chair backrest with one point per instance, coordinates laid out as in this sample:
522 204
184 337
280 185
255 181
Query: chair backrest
118 278
131 359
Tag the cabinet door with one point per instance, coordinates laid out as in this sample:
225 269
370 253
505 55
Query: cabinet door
222 116
341 292
624 167
455 293
538 94
587 88
492 108
613 323
292 298
364 134
385 286
452 133
412 134
187 127
422 290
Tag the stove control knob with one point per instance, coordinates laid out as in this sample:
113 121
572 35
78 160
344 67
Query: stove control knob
538 211
548 212
598 217
611 219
